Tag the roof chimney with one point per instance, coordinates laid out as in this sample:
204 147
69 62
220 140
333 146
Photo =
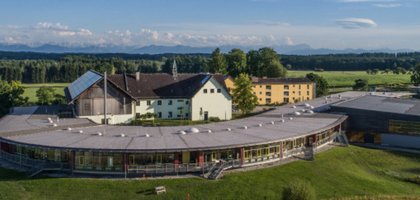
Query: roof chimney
137 76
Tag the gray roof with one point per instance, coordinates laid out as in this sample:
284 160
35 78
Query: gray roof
169 138
383 104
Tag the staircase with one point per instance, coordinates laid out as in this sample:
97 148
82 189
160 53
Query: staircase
341 139
216 171
309 152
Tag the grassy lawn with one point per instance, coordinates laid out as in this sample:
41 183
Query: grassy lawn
337 173
347 78
30 89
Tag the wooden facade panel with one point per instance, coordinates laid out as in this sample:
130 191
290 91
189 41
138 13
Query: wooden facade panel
91 102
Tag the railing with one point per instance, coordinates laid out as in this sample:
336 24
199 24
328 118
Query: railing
33 164
170 168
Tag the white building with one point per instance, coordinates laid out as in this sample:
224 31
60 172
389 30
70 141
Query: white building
168 96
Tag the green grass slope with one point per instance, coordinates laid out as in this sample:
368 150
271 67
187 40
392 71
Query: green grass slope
337 173
347 78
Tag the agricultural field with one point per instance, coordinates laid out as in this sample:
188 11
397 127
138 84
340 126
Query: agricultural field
339 81
346 78
30 89
342 172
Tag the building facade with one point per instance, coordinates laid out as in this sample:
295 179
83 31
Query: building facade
167 96
382 121
280 90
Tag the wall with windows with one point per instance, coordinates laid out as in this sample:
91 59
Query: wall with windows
91 161
283 93
165 108
212 100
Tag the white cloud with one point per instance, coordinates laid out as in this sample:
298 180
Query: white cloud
356 23
389 5
208 34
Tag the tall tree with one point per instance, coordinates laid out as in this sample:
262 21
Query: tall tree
218 62
11 95
243 95
415 76
320 82
236 60
269 63
253 62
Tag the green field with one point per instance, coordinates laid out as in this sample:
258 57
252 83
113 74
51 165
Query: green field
336 173
336 79
347 78
30 89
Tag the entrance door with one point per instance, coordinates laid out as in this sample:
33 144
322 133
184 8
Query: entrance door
206 116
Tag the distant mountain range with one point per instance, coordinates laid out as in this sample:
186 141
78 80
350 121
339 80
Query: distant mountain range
299 49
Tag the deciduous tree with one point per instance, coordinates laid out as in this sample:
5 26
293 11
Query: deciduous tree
415 76
218 62
236 60
243 95
45 95
360 85
321 84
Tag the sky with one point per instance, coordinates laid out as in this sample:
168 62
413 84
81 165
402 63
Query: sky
335 24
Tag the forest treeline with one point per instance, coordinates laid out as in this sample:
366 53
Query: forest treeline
43 68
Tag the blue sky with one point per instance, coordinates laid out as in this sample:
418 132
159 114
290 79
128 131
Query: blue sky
337 24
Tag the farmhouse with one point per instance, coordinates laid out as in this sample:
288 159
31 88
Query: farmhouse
167 96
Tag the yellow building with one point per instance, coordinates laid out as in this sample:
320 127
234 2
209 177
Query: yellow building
279 90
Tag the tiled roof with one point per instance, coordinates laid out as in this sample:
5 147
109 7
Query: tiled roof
162 85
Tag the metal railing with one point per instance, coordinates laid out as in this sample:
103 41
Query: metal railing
33 164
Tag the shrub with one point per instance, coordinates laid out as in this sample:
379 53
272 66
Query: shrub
299 190
214 119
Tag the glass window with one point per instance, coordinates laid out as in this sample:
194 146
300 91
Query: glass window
159 114
268 87
205 91
159 102
268 100
286 93
149 102
170 102
286 87
219 90
211 90
138 103
169 114
268 94
187 102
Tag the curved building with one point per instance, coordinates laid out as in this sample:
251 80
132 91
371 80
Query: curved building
36 141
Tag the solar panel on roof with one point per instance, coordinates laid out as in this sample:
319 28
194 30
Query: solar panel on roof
83 83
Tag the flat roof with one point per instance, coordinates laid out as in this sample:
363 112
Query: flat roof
383 104
23 127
